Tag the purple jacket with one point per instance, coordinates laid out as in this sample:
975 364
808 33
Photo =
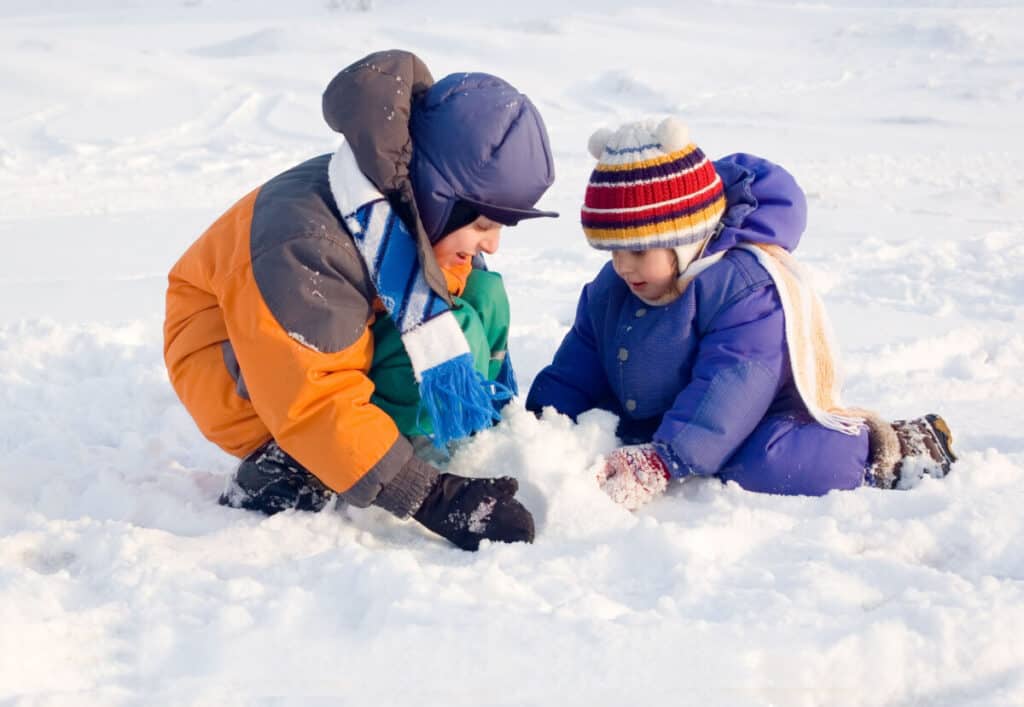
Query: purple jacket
698 376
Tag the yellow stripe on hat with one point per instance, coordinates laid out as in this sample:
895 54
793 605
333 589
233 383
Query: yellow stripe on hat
682 226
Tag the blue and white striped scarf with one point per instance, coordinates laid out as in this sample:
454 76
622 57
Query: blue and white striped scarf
452 393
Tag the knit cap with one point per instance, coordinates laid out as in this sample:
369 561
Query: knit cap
651 188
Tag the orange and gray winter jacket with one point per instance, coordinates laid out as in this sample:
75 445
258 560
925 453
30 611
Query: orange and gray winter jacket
277 290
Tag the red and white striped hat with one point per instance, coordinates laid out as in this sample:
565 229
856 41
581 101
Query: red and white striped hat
651 188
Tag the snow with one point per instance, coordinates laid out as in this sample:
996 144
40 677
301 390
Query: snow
127 127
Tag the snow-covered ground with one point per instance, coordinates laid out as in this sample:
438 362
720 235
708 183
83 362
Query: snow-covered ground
127 126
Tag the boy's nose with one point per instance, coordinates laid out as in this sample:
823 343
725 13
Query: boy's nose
490 243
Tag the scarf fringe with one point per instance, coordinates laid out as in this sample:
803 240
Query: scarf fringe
458 404
846 423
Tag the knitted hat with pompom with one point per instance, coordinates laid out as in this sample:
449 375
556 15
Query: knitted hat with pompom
651 188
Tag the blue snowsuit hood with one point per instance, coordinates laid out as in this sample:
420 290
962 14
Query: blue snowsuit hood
477 138
765 204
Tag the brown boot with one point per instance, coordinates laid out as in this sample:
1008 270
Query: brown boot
904 452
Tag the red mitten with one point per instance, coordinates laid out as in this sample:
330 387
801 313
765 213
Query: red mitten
634 475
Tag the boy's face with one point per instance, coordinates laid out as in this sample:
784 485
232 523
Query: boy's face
459 246
650 274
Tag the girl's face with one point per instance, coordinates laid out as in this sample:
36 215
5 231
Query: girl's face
459 246
650 274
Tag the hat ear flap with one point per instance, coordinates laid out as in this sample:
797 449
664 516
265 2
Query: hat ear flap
598 141
673 134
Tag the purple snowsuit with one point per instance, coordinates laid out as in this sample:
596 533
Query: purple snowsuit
707 377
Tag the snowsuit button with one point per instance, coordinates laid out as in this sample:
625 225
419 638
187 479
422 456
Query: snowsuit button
641 312
623 354
631 405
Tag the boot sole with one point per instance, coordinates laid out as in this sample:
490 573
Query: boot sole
943 436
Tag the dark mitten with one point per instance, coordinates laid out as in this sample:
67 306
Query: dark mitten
466 511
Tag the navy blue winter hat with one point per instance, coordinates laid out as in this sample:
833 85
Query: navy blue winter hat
478 140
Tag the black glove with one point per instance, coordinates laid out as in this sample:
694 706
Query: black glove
466 511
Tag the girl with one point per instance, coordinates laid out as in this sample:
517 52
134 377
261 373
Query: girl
702 335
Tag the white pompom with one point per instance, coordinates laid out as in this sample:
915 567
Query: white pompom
598 141
672 134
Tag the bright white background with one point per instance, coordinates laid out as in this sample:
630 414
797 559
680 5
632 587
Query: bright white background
126 127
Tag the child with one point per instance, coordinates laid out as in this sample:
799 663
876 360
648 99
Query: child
702 335
481 309
356 268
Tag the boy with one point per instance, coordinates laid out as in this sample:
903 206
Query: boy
272 314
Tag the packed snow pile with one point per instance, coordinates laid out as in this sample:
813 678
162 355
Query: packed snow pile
125 130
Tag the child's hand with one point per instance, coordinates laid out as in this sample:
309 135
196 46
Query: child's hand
465 511
634 475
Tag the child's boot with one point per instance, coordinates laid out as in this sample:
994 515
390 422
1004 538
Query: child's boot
270 481
905 451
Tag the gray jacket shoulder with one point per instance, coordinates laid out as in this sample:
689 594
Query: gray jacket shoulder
306 266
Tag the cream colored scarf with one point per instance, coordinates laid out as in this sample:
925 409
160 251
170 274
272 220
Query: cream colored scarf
813 354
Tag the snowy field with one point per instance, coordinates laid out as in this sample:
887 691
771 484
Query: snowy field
127 126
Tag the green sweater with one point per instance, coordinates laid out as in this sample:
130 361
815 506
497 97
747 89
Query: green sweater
482 311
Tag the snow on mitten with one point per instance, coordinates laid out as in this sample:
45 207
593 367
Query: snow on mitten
465 511
632 476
